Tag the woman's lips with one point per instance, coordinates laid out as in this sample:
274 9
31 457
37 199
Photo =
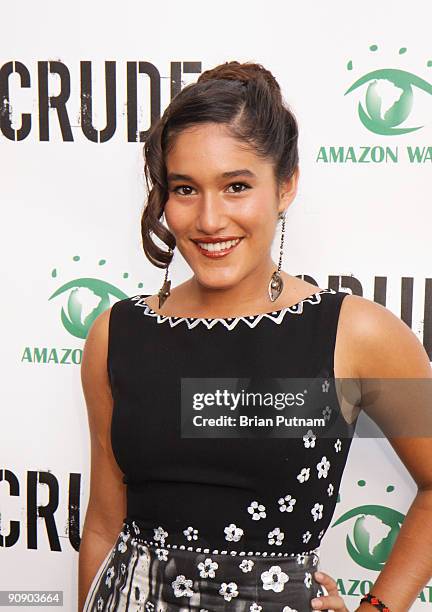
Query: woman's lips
216 254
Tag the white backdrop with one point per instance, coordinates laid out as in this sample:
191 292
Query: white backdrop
71 211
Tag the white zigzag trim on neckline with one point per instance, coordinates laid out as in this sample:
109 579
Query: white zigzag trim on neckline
230 322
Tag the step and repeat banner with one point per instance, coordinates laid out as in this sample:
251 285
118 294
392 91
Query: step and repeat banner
80 85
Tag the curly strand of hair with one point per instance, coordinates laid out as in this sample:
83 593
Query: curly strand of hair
154 173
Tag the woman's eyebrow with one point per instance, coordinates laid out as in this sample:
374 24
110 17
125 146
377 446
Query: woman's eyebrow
175 176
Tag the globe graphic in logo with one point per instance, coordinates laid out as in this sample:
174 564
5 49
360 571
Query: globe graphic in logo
374 532
388 100
87 299
388 103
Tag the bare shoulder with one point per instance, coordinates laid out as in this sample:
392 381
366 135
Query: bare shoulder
379 343
100 325
96 344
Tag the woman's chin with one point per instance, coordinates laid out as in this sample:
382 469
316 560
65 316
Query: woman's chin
216 280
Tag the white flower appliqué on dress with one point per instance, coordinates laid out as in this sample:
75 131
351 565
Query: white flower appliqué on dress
162 554
306 537
326 413
286 504
274 579
109 576
304 474
309 439
257 511
233 533
323 467
191 533
325 386
246 565
208 568
228 590
160 535
122 547
317 511
182 586
276 536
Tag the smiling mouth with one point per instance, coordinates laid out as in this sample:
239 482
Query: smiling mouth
217 249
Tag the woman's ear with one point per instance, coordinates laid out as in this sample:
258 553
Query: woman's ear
288 190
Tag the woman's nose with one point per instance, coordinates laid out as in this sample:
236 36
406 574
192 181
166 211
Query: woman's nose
211 215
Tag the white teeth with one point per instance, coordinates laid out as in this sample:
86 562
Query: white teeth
218 246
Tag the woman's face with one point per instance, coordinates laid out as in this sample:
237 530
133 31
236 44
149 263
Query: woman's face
207 202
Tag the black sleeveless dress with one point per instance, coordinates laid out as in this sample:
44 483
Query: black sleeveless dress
219 521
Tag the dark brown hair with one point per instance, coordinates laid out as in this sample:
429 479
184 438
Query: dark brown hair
248 100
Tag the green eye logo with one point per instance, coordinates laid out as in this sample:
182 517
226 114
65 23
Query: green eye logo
389 98
374 533
87 299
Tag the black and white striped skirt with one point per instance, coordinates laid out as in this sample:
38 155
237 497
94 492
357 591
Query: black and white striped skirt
138 576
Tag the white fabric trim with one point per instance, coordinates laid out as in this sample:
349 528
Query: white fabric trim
251 320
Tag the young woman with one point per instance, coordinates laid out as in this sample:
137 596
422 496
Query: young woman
234 523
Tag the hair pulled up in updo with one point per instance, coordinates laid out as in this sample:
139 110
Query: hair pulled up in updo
248 100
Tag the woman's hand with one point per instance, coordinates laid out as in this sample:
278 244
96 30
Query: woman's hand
332 601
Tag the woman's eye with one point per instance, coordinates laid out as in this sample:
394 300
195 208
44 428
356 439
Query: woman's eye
241 184
176 189
182 187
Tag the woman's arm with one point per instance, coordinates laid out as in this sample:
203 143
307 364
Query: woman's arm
107 502
386 348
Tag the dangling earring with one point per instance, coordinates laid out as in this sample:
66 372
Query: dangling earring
276 283
164 291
